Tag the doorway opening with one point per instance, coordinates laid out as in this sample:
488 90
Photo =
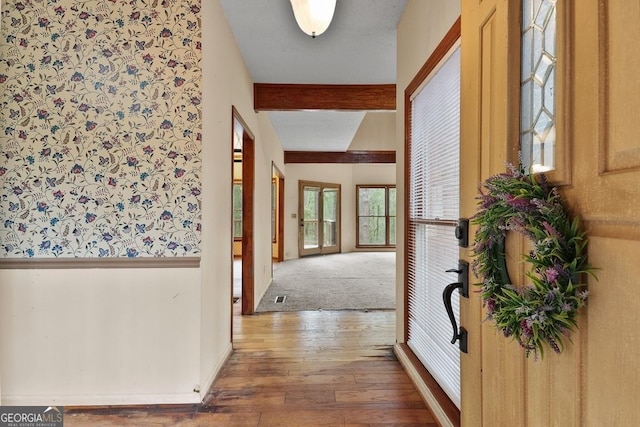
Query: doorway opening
243 171
277 215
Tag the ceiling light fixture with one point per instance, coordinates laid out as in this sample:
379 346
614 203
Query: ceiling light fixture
313 16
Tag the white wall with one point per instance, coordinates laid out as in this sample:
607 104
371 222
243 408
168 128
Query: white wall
99 336
146 335
379 173
421 28
376 132
268 149
227 83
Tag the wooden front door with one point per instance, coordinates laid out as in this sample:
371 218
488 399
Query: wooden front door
596 380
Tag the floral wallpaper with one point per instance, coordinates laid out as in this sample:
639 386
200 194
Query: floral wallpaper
100 146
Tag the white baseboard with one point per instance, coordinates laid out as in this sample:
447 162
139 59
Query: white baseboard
256 301
100 400
204 388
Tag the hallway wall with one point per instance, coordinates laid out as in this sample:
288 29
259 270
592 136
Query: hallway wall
102 152
99 336
122 335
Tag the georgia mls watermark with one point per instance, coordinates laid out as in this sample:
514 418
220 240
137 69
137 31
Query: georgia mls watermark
31 416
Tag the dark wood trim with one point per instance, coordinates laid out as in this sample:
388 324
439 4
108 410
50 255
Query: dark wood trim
294 97
361 156
86 263
445 45
407 193
448 407
238 117
449 40
386 187
280 254
248 189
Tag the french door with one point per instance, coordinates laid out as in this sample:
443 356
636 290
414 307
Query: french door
319 214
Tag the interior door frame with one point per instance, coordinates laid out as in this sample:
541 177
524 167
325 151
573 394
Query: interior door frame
278 253
248 190
321 249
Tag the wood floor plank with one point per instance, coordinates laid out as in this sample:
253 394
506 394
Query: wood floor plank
310 397
386 395
295 369
301 418
151 420
382 377
394 417
246 397
293 380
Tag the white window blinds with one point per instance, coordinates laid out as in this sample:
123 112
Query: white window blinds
434 161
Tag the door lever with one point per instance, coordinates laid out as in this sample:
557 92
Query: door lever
461 334
463 277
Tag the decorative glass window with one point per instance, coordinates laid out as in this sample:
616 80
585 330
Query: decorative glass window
538 83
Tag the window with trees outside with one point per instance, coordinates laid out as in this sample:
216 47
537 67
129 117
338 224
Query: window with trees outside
237 210
376 215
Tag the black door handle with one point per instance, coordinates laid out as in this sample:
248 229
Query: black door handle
463 277
460 334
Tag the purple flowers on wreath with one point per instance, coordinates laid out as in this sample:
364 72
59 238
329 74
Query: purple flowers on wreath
543 312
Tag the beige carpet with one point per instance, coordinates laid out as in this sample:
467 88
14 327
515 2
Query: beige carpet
349 281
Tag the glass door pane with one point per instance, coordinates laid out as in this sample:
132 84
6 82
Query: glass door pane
372 214
392 216
309 221
237 210
319 212
330 215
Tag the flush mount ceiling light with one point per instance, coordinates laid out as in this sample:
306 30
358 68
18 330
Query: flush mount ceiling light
313 16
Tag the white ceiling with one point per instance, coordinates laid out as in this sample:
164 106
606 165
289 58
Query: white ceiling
358 48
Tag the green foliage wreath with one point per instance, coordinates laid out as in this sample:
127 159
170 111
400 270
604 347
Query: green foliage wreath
544 311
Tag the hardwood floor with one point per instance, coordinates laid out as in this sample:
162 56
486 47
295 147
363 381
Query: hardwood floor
320 368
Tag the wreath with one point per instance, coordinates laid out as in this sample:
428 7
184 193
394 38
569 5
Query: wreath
543 312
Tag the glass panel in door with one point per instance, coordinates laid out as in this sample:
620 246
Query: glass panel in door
309 220
319 214
392 216
330 205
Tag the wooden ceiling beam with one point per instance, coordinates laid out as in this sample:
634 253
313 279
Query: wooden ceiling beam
296 97
364 156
